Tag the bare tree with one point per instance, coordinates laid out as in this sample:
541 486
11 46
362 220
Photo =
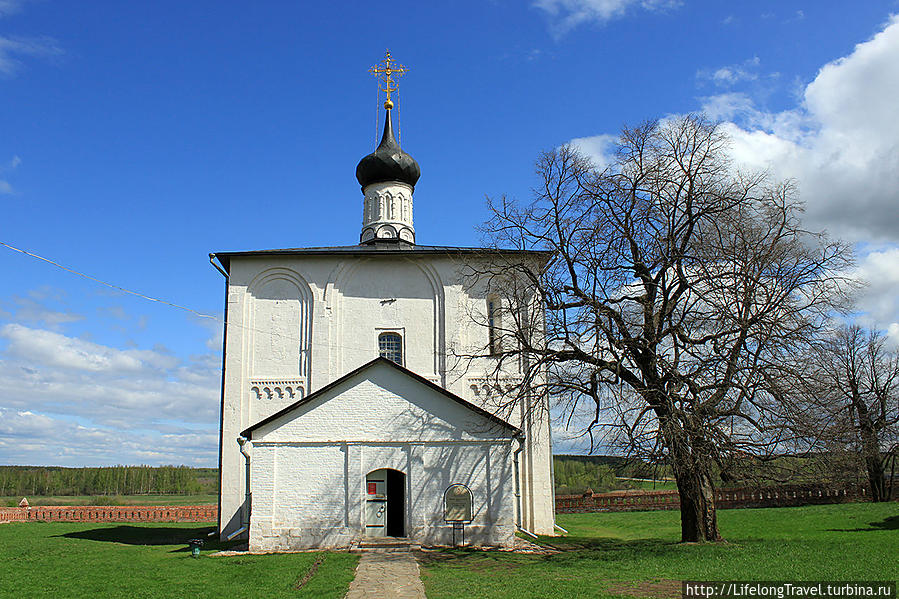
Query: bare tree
852 391
674 289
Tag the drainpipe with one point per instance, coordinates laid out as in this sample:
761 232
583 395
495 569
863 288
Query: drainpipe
222 395
245 444
517 469
517 483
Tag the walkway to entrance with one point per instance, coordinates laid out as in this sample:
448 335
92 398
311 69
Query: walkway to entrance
387 575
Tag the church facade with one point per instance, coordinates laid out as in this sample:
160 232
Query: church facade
347 411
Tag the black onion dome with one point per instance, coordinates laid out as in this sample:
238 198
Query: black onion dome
388 162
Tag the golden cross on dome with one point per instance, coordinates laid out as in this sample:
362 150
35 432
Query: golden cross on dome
385 71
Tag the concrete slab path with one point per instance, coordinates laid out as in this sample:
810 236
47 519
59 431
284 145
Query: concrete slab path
392 575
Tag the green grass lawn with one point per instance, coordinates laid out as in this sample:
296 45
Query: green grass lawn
607 555
113 500
637 554
148 561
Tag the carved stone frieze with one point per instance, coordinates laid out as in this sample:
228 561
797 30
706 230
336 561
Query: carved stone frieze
484 387
278 389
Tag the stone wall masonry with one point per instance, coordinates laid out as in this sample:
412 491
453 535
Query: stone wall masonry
89 513
781 496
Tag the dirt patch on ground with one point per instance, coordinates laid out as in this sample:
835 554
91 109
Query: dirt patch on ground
309 574
525 546
660 589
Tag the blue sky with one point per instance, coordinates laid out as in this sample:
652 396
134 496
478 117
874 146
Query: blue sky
135 138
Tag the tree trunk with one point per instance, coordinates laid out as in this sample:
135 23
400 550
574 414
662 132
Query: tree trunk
698 514
876 479
871 454
874 465
690 458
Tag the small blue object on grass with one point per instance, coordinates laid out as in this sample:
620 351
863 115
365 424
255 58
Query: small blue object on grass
195 545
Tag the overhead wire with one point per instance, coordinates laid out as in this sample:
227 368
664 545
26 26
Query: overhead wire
110 285
227 324
148 297
224 322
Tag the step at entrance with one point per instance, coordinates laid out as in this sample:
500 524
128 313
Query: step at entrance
385 544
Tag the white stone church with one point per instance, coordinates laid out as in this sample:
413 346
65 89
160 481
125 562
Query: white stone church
345 412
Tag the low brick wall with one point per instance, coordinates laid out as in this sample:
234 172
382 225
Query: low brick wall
90 513
782 496
616 501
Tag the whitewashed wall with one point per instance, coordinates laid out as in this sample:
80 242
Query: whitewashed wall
334 306
309 466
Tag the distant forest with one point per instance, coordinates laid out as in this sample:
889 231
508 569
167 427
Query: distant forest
573 474
577 473
113 480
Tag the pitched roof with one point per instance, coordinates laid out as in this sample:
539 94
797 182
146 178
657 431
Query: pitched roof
377 249
516 432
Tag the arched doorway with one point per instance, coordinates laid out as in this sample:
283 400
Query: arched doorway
385 503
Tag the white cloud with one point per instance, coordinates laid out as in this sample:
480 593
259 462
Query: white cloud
14 162
879 299
53 349
11 47
893 333
28 438
216 331
131 389
596 147
727 105
10 7
29 310
797 16
841 144
5 187
732 74
567 14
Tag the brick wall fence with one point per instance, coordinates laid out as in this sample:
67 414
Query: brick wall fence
90 513
616 501
782 496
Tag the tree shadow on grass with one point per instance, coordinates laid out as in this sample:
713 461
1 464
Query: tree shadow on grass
567 550
152 535
890 523
474 559
578 549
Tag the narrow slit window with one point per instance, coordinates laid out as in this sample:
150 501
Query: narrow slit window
492 325
390 346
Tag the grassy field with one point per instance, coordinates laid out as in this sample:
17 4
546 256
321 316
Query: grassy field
150 561
114 500
637 554
633 554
